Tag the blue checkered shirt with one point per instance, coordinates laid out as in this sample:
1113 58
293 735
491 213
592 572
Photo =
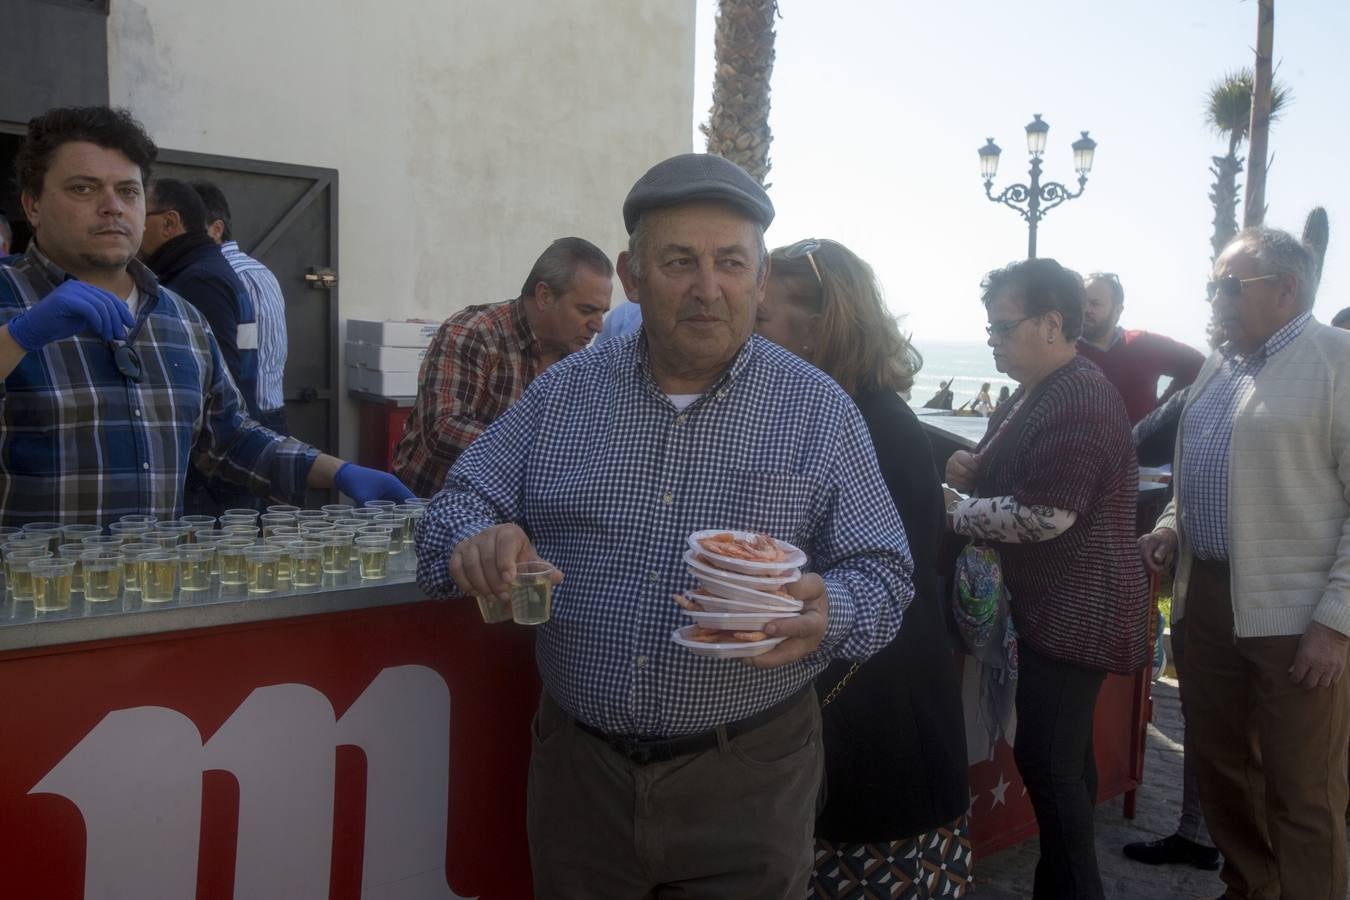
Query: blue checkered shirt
1207 436
81 443
608 478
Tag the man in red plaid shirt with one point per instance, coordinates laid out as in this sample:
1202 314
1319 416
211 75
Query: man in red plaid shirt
483 357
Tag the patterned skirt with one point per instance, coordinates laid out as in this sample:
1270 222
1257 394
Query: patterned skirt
934 864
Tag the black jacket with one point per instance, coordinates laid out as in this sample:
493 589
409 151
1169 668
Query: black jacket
895 743
192 266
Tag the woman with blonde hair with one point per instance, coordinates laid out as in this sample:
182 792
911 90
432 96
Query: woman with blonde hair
895 752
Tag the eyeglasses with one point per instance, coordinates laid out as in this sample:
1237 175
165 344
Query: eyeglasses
156 212
1001 330
1231 286
127 360
806 248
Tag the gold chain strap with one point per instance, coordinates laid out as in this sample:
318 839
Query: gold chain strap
834 692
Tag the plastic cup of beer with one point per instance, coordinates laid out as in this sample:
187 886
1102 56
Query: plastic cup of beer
51 583
170 534
413 511
74 552
129 532
17 574
311 515
159 575
210 539
241 512
227 522
51 531
379 504
372 555
194 567
73 534
269 521
230 552
398 536
102 575
138 519
115 540
306 563
197 524
337 551
8 531
261 564
337 510
131 563
350 522
283 508
283 543
239 529
494 609
532 593
366 514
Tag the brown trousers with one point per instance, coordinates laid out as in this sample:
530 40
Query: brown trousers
1270 755
734 821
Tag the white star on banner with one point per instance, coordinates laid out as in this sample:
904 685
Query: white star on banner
1000 790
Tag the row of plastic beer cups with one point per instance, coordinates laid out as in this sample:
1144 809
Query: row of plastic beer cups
45 562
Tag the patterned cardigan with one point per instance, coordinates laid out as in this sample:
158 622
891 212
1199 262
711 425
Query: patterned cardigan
1082 597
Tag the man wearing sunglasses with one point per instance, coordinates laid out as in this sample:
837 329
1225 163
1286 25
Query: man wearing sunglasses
657 772
1260 530
1133 361
114 386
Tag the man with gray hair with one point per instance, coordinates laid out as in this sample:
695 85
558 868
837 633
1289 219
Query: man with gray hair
483 357
657 771
1260 530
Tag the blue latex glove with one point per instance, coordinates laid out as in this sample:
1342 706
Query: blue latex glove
74 307
362 484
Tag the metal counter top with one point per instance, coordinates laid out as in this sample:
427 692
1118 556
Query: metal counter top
23 629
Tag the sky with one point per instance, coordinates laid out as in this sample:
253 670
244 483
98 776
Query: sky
879 107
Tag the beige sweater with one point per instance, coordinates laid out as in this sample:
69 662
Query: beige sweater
1288 491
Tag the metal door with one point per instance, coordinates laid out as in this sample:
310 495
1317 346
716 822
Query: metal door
285 216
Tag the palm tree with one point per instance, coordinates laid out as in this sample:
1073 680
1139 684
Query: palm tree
1229 113
738 124
1254 210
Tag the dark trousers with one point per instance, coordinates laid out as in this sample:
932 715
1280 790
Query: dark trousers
1270 754
735 821
1053 749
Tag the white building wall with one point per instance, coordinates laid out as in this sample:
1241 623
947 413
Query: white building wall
467 135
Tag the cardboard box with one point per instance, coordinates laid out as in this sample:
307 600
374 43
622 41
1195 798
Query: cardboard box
407 333
385 359
384 384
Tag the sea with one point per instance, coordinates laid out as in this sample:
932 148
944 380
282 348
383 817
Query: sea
967 364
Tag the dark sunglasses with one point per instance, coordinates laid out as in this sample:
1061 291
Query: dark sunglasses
1231 286
806 248
127 360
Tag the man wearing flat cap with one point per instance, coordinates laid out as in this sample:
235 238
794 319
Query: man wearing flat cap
657 772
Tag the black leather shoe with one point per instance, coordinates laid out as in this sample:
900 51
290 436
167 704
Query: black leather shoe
1173 849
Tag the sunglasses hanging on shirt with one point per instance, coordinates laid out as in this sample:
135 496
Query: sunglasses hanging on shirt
127 360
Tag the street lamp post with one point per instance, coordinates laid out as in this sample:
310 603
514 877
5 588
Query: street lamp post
1035 200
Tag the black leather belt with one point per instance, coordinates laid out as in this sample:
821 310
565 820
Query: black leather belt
643 750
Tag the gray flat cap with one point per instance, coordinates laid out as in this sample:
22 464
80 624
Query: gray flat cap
696 176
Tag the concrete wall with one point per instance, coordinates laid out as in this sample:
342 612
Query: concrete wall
467 134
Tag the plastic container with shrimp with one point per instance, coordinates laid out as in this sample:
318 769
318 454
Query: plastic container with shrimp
794 558
729 650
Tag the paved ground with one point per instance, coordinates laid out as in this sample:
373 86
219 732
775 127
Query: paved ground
1008 874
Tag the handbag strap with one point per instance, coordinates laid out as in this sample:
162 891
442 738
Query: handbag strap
834 692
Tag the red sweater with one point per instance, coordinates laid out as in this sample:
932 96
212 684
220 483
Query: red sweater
1137 360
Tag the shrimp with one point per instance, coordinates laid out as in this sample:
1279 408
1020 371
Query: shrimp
761 548
688 603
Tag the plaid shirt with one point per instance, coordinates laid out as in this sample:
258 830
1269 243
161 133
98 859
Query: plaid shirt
81 443
1207 435
609 478
478 365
